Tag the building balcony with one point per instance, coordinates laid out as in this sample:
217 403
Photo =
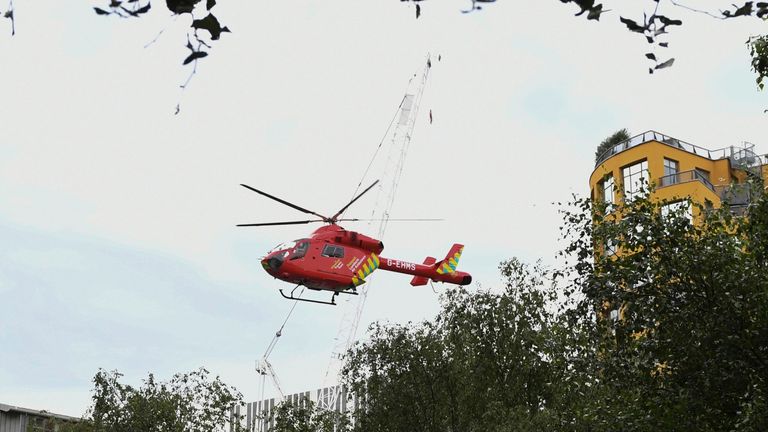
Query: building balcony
736 196
683 177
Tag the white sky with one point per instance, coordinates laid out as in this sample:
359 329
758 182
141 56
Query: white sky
117 240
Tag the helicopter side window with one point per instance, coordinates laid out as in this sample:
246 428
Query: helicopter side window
300 251
333 251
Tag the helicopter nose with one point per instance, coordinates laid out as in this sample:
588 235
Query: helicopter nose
272 263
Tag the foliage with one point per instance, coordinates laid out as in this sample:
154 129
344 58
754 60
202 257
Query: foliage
489 361
689 349
208 21
189 402
653 26
617 137
306 417
758 50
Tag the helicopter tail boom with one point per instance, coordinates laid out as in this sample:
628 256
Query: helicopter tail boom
442 271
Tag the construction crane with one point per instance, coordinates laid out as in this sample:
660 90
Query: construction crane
400 131
264 368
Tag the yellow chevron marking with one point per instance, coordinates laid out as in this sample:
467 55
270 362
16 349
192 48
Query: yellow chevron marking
360 274
375 259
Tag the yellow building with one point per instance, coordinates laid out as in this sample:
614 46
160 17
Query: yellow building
676 170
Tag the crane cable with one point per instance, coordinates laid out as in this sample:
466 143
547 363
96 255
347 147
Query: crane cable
279 331
383 138
351 323
382 227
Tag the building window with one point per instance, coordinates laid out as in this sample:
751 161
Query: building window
677 209
333 251
608 187
671 167
635 180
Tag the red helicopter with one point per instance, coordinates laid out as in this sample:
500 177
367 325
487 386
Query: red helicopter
337 260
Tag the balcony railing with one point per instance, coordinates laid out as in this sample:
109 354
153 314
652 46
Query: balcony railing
738 196
685 176
740 157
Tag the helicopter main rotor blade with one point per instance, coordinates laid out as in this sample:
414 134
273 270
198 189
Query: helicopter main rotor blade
301 209
281 223
338 213
390 220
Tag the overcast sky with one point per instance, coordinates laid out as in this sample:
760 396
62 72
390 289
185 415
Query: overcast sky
118 246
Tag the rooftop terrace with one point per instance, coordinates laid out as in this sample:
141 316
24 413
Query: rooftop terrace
741 157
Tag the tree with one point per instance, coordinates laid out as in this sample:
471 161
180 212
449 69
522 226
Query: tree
491 360
689 346
188 402
307 417
617 137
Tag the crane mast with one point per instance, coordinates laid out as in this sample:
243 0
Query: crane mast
400 138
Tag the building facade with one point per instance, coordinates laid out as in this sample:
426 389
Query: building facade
259 415
17 419
676 171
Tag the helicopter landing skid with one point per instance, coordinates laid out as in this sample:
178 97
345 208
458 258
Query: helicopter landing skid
331 303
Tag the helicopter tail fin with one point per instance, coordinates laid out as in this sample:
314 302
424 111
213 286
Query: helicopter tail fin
421 280
451 261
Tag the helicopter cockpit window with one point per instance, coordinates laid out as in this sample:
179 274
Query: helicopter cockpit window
300 250
282 246
333 251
